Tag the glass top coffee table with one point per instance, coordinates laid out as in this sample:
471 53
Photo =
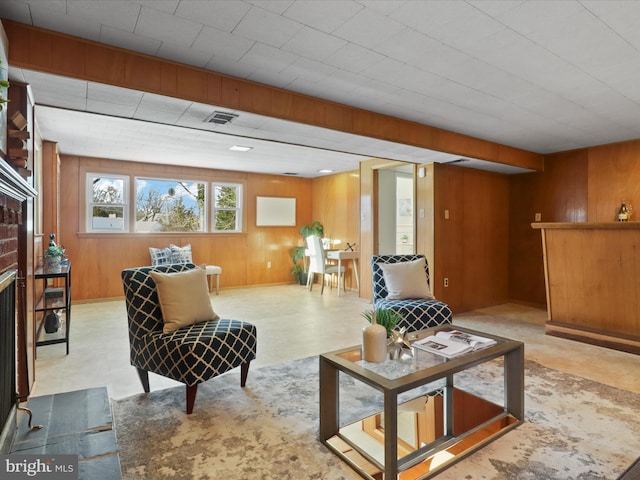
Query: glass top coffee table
432 429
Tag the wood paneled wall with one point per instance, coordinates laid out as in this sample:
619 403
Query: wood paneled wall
614 176
471 246
50 190
98 259
559 194
335 203
43 50
585 185
425 218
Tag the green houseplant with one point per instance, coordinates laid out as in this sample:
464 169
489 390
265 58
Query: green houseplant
387 318
53 256
299 269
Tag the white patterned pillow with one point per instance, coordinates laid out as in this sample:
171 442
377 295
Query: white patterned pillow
180 254
160 256
406 280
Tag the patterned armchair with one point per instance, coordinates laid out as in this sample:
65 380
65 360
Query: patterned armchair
190 355
417 313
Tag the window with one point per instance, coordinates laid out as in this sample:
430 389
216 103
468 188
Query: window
227 207
161 205
107 203
170 205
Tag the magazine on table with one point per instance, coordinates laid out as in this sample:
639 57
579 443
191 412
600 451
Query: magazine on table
452 343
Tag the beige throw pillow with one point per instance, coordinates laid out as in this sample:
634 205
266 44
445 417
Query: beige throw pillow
184 298
406 280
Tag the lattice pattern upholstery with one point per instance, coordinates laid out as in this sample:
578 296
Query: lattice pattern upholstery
190 355
417 313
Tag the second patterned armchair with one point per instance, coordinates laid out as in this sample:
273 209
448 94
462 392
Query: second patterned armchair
401 284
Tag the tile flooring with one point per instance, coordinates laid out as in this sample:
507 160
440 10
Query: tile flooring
294 323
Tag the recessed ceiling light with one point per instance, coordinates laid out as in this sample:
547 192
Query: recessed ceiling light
325 170
240 148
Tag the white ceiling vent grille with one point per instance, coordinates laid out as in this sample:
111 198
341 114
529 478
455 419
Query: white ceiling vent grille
220 118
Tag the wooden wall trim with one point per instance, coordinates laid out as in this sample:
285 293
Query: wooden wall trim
50 190
43 50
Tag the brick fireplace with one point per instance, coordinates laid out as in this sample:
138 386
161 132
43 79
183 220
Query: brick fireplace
14 190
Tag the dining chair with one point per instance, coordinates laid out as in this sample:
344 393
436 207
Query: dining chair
318 264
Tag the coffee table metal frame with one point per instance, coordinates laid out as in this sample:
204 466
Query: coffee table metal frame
343 361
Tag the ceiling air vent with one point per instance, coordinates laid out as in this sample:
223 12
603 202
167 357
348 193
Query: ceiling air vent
459 160
220 118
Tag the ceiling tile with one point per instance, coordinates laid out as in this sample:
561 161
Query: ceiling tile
313 44
222 44
17 11
195 57
275 6
310 70
314 14
120 14
266 27
49 15
353 58
225 14
112 94
368 29
261 56
109 108
168 6
167 28
121 39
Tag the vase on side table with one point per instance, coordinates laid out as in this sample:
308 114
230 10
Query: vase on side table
374 342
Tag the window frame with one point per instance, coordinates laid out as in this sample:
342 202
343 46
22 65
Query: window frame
204 216
90 204
239 208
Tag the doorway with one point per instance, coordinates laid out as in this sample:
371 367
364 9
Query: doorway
395 225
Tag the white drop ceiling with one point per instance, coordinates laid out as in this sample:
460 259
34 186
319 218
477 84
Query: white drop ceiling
538 75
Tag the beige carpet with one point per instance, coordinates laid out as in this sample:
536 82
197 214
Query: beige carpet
574 428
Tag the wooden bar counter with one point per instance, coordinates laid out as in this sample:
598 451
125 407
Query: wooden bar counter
592 275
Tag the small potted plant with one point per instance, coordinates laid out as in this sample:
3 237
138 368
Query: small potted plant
297 253
53 256
389 319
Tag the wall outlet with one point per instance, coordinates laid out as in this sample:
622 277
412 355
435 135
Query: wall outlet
446 214
446 281
538 217
268 264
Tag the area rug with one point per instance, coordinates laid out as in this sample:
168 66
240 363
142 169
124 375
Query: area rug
574 428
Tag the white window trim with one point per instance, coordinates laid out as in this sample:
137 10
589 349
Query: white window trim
126 205
239 209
